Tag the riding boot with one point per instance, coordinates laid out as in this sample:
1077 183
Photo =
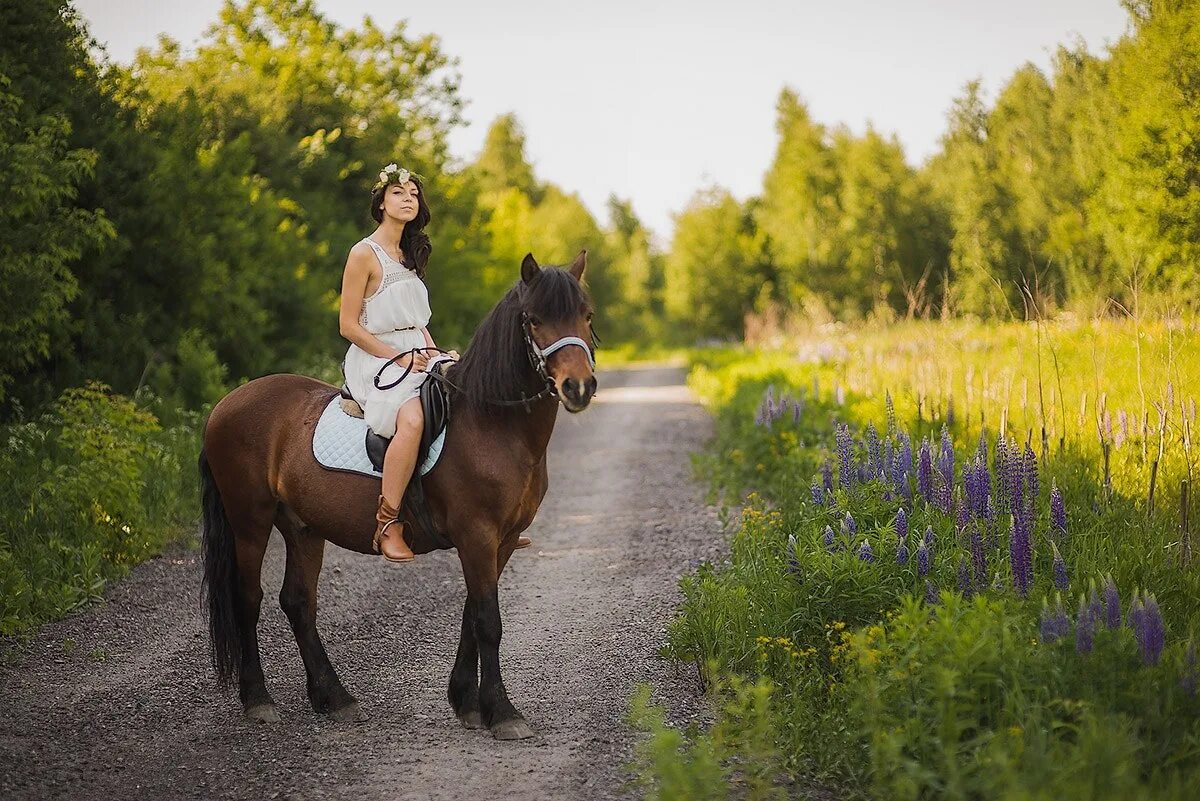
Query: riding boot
389 534
523 542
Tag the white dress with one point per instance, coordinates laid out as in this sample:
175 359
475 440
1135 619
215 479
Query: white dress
395 314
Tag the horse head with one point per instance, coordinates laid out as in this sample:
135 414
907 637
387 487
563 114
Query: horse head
556 312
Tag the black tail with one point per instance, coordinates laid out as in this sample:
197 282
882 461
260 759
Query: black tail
220 580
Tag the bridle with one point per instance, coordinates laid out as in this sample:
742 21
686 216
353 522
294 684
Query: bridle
537 359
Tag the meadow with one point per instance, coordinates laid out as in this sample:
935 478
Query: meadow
961 566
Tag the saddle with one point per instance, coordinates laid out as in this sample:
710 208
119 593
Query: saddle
435 407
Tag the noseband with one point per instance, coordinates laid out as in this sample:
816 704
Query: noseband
537 358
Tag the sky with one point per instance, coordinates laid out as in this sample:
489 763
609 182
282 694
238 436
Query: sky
654 101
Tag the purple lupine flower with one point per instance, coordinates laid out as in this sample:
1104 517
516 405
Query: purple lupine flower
827 476
1047 628
828 538
1190 677
1062 622
865 554
925 470
846 472
978 557
922 559
890 406
1030 470
1058 512
797 407
1095 605
931 593
962 515
1152 632
946 457
929 536
1020 553
1135 613
849 526
1085 628
873 452
901 523
818 494
963 576
1112 604
902 552
1061 580
1002 474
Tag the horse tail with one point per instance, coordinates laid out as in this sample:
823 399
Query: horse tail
220 580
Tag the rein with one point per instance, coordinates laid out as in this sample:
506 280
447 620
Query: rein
537 358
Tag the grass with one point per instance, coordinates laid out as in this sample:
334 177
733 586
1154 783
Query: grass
888 681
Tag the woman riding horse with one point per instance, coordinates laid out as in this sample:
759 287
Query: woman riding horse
533 351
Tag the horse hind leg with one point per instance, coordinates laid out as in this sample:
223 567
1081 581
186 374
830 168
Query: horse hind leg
298 599
236 532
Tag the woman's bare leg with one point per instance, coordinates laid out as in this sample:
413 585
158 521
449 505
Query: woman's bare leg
401 456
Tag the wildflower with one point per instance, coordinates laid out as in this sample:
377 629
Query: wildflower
950 411
946 457
848 525
828 539
964 578
923 559
1085 628
818 494
961 515
1061 580
1021 554
901 523
1054 623
793 563
874 457
846 470
978 557
1152 631
890 406
827 476
1112 604
925 470
1058 513
797 407
1047 631
1190 675
865 554
931 593
1030 472
929 536
902 553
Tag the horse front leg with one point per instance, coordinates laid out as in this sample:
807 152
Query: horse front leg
464 679
482 573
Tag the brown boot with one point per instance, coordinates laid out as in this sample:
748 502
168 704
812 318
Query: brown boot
522 542
389 534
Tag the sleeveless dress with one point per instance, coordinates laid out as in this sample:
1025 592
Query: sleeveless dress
395 314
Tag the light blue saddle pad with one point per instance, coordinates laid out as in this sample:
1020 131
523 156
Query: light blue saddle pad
339 443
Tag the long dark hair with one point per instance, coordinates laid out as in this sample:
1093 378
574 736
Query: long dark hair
414 243
496 364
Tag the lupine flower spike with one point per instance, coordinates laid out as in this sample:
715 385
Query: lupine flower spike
1061 580
865 553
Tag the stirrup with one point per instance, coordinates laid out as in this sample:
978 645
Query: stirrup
379 534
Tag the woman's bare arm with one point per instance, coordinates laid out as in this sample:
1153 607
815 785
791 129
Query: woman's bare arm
354 286
428 338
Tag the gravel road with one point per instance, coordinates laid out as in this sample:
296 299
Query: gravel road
118 701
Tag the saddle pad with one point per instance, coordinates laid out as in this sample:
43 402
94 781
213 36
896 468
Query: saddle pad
339 443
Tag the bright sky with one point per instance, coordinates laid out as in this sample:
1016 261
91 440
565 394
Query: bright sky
654 100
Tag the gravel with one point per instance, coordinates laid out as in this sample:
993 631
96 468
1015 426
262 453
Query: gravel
118 700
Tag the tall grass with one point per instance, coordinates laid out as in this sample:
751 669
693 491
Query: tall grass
986 674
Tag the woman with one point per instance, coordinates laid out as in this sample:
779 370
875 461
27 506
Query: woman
384 313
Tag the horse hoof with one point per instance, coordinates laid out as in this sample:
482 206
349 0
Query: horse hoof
471 720
263 713
350 713
515 729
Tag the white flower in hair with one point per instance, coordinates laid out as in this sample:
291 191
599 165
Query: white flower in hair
383 176
391 167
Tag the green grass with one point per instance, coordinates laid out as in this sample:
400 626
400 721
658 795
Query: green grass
888 684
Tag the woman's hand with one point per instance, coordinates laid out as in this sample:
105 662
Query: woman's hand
407 358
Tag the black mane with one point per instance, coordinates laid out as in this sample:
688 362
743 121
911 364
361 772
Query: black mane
496 364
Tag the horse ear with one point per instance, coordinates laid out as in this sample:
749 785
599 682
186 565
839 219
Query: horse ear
529 268
577 267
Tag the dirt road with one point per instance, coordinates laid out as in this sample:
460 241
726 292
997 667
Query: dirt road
118 701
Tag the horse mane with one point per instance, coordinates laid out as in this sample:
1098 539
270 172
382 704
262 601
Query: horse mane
496 363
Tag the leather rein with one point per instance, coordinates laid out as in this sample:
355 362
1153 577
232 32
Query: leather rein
537 358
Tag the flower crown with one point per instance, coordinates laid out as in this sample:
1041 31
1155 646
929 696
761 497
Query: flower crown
392 174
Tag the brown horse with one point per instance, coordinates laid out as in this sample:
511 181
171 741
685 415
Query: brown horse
258 470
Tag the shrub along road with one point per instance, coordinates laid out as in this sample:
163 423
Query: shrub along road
119 700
